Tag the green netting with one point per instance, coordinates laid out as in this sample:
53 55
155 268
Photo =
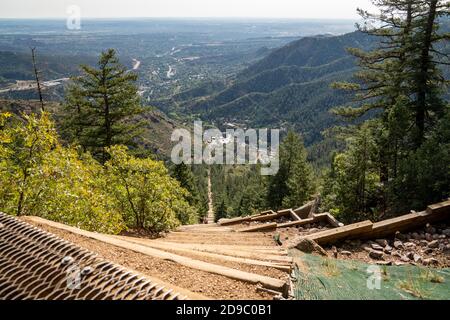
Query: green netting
320 278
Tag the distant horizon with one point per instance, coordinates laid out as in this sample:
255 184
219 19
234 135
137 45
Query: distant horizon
206 9
186 18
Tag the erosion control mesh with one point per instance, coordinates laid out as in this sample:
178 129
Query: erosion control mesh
38 265
320 278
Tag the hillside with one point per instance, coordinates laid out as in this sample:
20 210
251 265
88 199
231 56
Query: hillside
288 88
155 135
18 66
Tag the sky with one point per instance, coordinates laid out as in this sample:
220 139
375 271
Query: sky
313 9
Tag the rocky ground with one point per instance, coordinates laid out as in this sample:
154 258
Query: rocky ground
288 237
428 246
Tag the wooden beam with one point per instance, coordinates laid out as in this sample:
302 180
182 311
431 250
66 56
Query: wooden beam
267 212
272 216
296 223
303 211
333 221
229 222
434 213
439 208
294 215
261 228
338 234
367 230
314 207
244 260
238 220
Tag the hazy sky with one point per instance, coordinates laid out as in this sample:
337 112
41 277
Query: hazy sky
333 9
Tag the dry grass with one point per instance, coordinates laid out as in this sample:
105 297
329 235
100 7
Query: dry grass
428 275
330 268
414 286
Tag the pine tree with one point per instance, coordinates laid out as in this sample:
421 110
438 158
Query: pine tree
380 79
289 185
101 107
221 211
300 182
351 187
427 83
401 79
246 205
185 177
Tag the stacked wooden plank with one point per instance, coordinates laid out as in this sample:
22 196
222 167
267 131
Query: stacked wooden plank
301 216
261 228
300 213
182 257
347 232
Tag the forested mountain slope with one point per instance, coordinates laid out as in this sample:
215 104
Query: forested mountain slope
18 66
288 88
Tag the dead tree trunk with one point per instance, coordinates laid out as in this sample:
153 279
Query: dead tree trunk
36 74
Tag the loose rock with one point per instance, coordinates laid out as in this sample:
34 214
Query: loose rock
309 246
335 252
346 253
433 244
409 245
398 245
430 229
415 236
377 247
395 253
399 236
405 259
430 261
410 255
382 242
377 255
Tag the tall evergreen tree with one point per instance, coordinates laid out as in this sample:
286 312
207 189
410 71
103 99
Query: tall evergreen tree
300 181
401 79
427 82
221 211
351 189
292 184
101 106
184 175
